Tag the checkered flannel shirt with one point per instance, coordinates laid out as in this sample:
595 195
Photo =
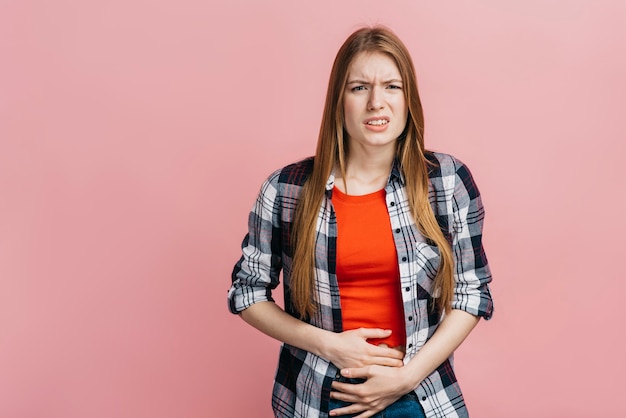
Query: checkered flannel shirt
302 382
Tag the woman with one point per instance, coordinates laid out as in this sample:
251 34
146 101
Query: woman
393 228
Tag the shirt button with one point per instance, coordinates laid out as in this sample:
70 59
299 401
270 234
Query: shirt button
423 398
407 288
410 318
397 230
392 204
403 258
410 345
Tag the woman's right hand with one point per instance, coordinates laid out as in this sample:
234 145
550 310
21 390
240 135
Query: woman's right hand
345 349
351 349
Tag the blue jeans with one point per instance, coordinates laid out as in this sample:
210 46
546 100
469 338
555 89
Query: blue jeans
406 407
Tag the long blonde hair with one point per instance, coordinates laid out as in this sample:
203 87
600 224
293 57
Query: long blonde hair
332 149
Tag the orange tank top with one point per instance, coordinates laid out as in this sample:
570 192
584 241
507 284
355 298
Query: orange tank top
367 266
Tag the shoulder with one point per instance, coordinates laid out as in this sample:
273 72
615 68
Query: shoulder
441 165
451 169
287 181
295 174
281 188
444 165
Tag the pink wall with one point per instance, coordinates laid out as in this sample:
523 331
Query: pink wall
134 136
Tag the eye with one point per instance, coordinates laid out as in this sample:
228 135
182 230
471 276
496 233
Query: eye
394 87
357 88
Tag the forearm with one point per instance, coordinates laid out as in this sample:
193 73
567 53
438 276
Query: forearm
346 349
454 328
271 320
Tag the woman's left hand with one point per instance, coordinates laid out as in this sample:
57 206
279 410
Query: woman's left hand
384 386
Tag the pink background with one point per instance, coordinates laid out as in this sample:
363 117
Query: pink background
134 136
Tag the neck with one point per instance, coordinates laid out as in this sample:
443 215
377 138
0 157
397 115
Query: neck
366 172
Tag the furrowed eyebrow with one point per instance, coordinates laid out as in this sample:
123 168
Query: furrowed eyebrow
394 80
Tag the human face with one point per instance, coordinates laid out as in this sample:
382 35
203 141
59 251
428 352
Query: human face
374 107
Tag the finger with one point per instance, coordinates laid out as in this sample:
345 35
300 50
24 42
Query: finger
350 409
381 351
386 361
356 372
344 397
350 389
374 332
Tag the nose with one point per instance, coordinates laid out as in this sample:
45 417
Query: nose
375 101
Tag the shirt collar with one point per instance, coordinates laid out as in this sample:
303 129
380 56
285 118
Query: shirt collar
394 175
331 182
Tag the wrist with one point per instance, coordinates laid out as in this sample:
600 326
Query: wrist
322 343
410 378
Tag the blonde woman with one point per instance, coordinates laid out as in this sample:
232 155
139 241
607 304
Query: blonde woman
379 243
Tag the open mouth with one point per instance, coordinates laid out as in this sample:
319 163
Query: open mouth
378 122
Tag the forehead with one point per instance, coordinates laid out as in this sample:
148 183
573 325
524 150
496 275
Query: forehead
373 65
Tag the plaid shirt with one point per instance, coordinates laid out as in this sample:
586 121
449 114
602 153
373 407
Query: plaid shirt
302 382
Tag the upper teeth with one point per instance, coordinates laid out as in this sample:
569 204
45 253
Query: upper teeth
377 122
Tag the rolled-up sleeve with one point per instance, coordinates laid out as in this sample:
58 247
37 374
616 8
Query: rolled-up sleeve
472 273
257 272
